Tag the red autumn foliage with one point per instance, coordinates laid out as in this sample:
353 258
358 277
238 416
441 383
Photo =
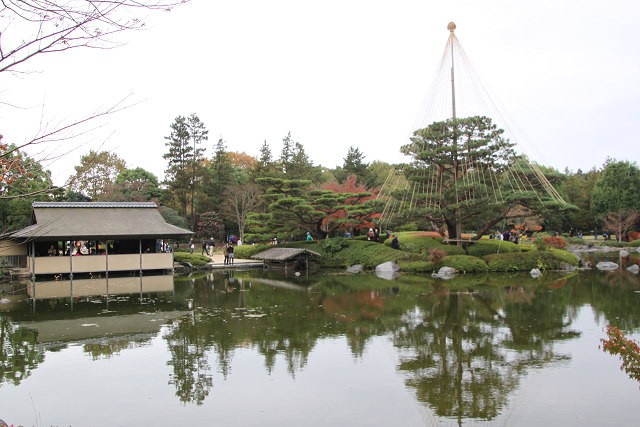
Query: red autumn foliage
555 242
350 185
11 168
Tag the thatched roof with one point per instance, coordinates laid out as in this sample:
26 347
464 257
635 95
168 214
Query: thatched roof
89 220
283 254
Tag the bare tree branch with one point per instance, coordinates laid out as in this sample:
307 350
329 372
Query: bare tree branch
33 27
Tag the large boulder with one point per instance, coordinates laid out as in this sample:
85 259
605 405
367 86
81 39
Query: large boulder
387 266
445 273
388 270
565 266
354 269
624 253
535 273
607 266
635 269
182 267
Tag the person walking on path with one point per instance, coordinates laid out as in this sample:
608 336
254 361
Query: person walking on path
395 244
191 245
230 250
309 237
211 247
204 246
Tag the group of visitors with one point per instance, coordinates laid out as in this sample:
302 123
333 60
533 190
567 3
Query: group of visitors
506 235
207 247
228 253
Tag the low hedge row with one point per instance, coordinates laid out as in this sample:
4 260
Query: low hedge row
247 251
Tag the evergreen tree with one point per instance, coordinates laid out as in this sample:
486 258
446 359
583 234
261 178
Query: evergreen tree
184 159
354 165
293 206
179 157
286 154
466 172
219 175
265 166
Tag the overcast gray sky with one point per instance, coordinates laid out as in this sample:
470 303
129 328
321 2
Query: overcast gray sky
338 73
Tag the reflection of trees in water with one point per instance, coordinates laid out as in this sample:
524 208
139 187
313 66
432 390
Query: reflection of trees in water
19 355
614 295
233 312
108 349
464 353
191 371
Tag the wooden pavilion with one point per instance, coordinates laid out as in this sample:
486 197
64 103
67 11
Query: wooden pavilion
110 237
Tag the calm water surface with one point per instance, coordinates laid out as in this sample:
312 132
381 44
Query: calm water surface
251 348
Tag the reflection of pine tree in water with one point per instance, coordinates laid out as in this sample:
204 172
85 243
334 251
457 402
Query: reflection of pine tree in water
19 356
459 355
608 293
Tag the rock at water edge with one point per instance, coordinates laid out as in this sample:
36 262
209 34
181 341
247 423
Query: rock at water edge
607 266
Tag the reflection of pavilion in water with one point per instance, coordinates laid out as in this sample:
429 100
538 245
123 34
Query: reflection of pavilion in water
95 321
106 286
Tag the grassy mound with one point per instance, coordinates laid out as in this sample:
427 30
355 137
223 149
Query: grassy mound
194 259
465 264
422 242
482 248
339 252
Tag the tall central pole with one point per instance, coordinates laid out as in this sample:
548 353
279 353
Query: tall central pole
451 27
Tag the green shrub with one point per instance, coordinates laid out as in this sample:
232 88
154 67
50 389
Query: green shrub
482 248
635 244
334 245
465 264
194 259
541 235
247 251
417 266
525 261
576 241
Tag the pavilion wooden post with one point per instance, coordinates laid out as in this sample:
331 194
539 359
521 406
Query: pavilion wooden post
33 260
140 250
71 246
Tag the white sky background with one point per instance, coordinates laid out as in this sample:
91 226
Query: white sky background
340 73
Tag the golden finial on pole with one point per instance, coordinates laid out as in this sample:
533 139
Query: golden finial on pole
451 26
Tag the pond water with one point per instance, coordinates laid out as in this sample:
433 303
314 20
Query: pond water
249 348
